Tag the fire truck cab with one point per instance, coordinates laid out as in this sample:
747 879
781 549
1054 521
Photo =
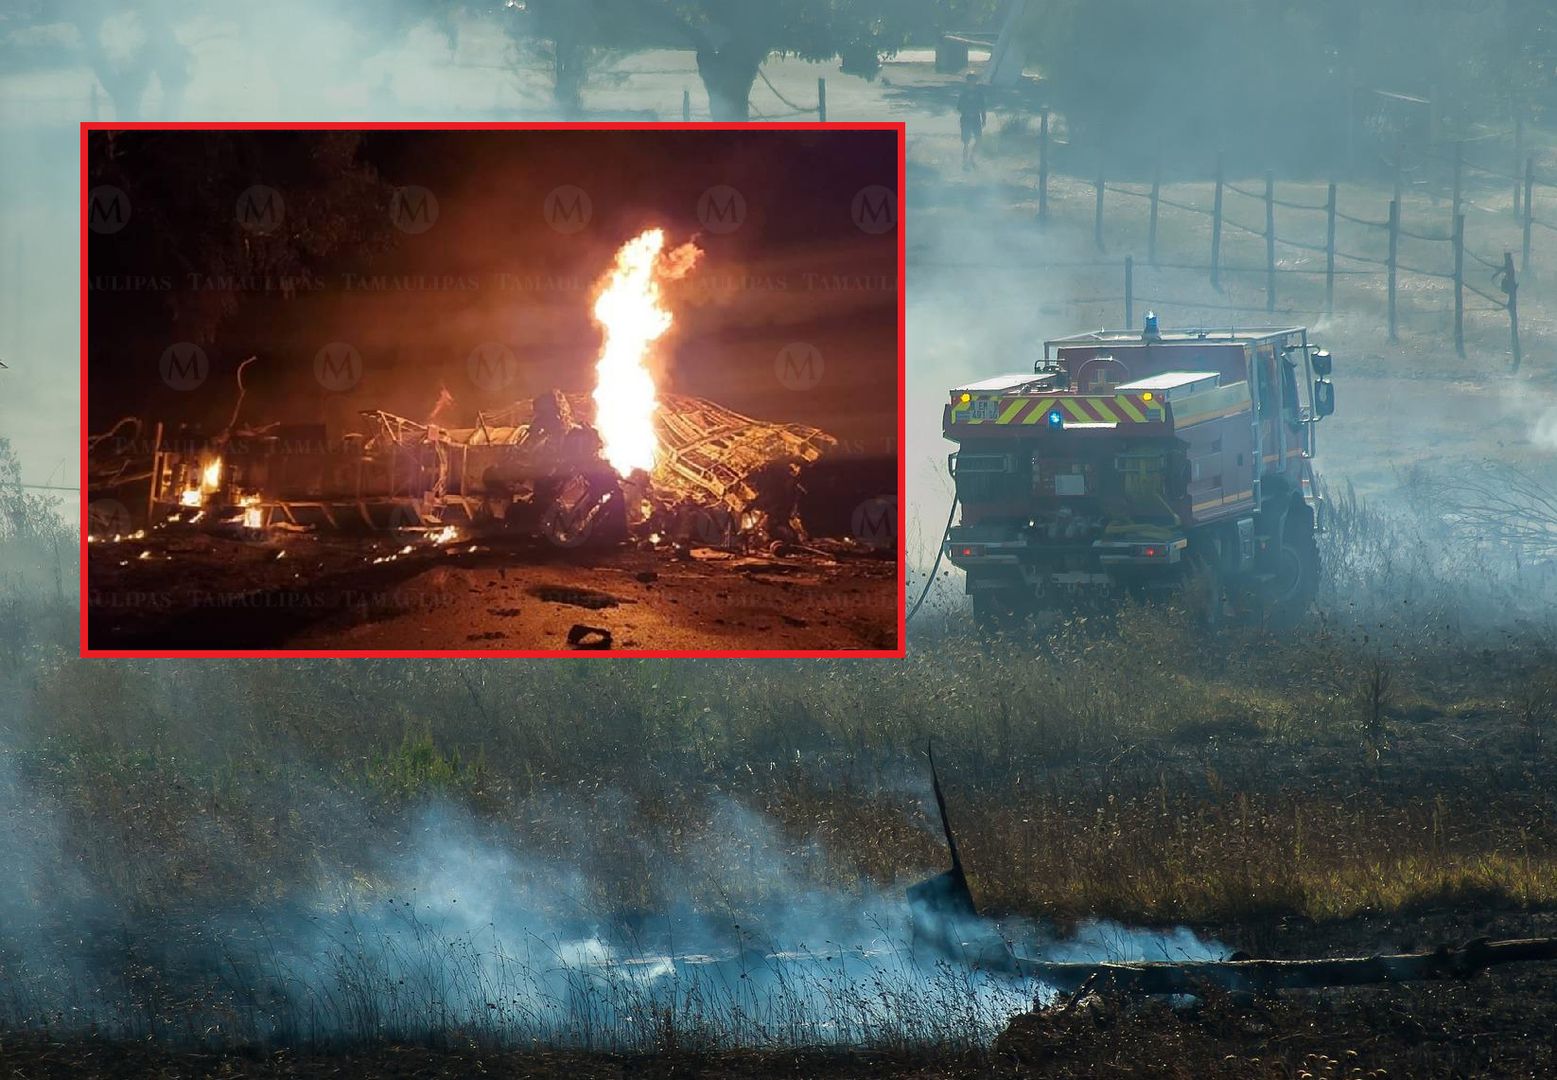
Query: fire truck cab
1133 461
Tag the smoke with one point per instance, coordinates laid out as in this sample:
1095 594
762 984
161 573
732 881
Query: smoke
449 928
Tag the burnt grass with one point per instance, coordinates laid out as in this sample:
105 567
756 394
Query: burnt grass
1383 778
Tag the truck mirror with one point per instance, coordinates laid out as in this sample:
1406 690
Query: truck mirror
1324 397
1322 363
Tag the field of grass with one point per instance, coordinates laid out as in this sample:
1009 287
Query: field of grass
1395 757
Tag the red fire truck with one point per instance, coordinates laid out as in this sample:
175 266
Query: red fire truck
1132 461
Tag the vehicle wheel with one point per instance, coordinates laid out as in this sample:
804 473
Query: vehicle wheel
1291 592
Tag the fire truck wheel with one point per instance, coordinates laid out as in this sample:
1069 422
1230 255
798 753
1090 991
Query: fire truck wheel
1292 590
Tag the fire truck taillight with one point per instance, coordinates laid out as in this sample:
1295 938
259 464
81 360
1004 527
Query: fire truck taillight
1151 551
970 551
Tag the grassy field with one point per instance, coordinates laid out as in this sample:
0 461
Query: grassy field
1382 775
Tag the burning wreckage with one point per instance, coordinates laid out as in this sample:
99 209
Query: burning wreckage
627 461
537 468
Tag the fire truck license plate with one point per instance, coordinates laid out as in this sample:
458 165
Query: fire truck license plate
984 409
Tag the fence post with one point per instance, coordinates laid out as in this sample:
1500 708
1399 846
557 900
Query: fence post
1524 257
1519 156
1151 229
1459 285
1129 291
686 106
1270 240
1459 176
1330 250
1511 287
1097 216
821 99
1216 229
1043 164
1394 251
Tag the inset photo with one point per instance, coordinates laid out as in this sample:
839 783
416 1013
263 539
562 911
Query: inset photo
492 390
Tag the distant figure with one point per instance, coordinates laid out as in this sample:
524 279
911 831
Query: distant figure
971 108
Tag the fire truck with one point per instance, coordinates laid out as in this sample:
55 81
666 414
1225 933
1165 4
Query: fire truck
1130 462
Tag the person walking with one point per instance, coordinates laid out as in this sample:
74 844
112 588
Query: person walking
973 113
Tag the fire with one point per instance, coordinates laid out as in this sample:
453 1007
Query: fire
211 475
630 311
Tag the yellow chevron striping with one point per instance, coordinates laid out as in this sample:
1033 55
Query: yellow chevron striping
1038 413
1127 407
1077 413
1103 410
1011 410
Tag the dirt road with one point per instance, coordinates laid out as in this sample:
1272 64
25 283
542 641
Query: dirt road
200 592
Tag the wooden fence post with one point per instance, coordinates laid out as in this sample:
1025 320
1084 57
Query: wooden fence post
821 100
1216 229
1524 257
1151 229
686 106
1459 176
1270 240
1129 291
1330 250
1394 252
1511 287
1097 216
1459 285
1519 156
1043 164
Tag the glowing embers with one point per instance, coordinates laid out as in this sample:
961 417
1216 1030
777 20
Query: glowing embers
629 309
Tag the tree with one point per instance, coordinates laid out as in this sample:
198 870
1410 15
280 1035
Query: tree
733 37
209 213
570 37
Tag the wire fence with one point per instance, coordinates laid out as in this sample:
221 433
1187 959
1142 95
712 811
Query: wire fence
1448 244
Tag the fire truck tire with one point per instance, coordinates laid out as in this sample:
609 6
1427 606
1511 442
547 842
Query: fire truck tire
1296 583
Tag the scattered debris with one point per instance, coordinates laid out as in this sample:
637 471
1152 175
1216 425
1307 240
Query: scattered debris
577 597
589 637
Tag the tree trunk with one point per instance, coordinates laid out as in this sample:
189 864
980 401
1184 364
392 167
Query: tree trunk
727 75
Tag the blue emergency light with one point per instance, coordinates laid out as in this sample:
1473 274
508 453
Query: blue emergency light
1151 326
1056 421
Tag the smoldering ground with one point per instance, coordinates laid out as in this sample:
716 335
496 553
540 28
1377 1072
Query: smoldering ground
433 925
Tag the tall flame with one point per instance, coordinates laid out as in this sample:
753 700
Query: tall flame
630 311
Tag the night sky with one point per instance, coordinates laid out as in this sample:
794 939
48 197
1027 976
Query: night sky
490 268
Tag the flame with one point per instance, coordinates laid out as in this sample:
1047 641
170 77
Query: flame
253 512
211 475
629 310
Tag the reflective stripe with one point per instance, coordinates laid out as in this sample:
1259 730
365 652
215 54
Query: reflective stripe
1102 408
1126 407
1011 410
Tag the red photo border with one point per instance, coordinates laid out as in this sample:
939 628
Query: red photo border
668 654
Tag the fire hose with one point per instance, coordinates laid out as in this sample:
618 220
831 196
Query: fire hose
939 551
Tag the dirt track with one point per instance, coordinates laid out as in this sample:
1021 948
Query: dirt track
331 595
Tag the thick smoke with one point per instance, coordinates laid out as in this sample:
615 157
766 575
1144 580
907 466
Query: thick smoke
450 929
